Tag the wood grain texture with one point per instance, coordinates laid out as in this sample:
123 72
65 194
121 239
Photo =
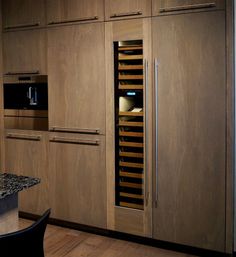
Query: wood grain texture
77 180
76 77
168 6
23 12
129 220
110 126
29 158
72 10
122 31
230 126
29 54
127 7
191 129
63 242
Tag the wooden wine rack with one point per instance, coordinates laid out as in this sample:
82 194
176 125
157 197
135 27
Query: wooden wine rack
129 124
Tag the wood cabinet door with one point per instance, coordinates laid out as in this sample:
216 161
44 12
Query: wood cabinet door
127 9
26 154
189 179
64 11
24 52
76 71
78 178
173 6
18 14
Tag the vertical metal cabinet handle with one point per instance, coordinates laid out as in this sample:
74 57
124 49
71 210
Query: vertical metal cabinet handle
146 129
156 121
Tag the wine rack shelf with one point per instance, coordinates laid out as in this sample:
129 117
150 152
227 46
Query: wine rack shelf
129 120
131 87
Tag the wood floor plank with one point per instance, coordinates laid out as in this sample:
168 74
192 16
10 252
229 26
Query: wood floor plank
63 242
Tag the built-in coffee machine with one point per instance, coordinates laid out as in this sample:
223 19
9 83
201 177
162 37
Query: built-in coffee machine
26 102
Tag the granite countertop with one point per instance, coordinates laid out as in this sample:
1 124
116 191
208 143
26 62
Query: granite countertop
11 183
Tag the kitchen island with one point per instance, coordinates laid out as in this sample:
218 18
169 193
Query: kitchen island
10 185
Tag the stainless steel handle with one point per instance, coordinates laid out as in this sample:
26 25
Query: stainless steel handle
23 136
187 7
74 20
74 141
117 15
19 26
76 130
156 123
22 72
146 129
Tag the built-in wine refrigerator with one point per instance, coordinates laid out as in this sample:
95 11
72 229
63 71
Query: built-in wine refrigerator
129 123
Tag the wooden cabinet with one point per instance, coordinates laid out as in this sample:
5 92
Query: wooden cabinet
26 154
189 178
66 11
19 14
28 55
173 6
127 9
76 78
78 178
127 73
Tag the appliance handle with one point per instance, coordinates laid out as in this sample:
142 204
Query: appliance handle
156 66
22 72
146 131
187 7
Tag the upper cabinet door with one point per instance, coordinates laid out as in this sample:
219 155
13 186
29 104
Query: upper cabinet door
173 6
76 83
18 14
127 9
28 55
67 11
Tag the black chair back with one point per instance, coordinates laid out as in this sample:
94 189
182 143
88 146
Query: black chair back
27 242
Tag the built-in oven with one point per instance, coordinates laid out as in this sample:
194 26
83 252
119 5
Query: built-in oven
26 102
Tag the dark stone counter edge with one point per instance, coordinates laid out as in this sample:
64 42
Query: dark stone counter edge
11 183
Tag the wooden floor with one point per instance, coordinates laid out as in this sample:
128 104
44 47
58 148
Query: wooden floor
60 242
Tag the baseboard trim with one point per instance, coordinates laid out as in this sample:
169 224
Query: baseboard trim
128 237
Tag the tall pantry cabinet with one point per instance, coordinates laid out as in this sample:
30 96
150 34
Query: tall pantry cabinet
76 75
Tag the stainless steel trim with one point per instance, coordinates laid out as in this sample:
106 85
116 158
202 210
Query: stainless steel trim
156 123
117 15
19 26
76 130
75 20
33 72
23 136
146 129
187 7
74 141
